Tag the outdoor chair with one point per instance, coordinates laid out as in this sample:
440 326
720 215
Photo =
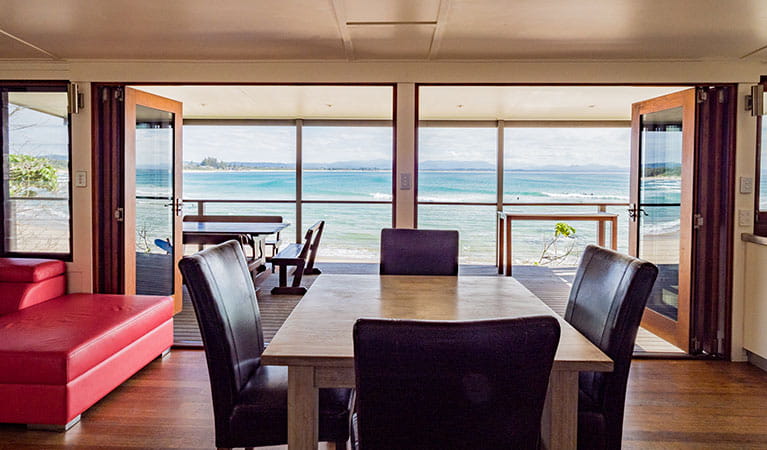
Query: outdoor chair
300 255
419 252
606 304
250 400
451 385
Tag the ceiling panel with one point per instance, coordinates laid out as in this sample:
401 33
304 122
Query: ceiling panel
280 102
603 29
391 10
189 29
436 102
533 102
12 49
391 41
304 30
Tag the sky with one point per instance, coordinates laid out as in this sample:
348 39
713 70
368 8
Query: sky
525 148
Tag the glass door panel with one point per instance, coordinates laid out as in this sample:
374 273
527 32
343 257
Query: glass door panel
152 196
661 208
660 179
154 201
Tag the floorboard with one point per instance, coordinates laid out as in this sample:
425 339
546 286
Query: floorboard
677 404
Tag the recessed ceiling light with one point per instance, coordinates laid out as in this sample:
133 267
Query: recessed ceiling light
459 106
329 105
591 106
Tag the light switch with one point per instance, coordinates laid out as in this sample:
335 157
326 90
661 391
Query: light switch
405 181
746 185
81 178
745 217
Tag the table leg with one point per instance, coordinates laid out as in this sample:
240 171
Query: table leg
614 233
559 424
601 233
508 246
499 246
303 406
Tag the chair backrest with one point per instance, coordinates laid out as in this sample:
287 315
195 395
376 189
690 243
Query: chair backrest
429 384
312 240
419 252
606 304
208 218
225 303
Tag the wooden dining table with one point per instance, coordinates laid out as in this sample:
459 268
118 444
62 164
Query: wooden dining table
315 342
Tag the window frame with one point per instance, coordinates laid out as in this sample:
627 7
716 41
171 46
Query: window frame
35 86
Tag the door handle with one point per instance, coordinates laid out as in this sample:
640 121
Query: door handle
635 212
177 204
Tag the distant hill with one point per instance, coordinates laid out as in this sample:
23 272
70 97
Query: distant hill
383 164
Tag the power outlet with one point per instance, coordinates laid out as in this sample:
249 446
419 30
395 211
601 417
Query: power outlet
81 178
405 181
745 217
746 185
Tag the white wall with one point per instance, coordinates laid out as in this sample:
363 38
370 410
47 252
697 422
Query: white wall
403 73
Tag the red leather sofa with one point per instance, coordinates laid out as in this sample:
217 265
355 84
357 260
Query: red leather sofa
61 353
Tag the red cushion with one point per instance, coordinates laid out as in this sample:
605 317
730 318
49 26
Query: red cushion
16 296
30 269
57 341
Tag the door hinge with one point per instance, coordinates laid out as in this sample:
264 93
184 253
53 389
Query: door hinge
721 96
119 214
702 95
76 98
119 95
697 221
755 101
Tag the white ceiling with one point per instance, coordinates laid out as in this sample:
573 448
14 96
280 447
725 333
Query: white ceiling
436 102
383 29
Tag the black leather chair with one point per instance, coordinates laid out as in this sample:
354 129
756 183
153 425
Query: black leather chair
451 385
419 252
606 303
249 399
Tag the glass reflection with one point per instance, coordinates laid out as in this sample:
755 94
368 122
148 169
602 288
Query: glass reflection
154 201
660 181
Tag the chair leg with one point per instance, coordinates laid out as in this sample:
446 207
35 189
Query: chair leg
298 273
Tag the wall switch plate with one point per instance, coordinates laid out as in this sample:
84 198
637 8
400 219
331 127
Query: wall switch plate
81 178
405 181
746 185
745 217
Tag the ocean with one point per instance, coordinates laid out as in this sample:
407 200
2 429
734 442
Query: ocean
352 231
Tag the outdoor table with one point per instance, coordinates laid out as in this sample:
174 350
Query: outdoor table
505 220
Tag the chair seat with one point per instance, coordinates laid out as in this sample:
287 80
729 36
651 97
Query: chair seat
290 252
264 400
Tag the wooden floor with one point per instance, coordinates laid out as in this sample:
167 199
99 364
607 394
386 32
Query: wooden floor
670 405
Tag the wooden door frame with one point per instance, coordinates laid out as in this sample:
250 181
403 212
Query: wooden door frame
135 97
677 332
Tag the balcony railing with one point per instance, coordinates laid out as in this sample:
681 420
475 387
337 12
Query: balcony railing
478 234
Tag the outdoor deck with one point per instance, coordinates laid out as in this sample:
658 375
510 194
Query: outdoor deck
550 284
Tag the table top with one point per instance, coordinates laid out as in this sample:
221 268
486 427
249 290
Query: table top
558 216
234 227
319 331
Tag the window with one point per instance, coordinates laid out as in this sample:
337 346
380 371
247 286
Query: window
36 166
760 202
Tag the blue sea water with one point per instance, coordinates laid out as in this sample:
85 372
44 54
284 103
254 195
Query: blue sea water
352 231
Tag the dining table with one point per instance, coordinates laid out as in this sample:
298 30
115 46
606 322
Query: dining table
315 342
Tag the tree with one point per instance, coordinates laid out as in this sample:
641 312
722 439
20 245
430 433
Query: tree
562 231
30 174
